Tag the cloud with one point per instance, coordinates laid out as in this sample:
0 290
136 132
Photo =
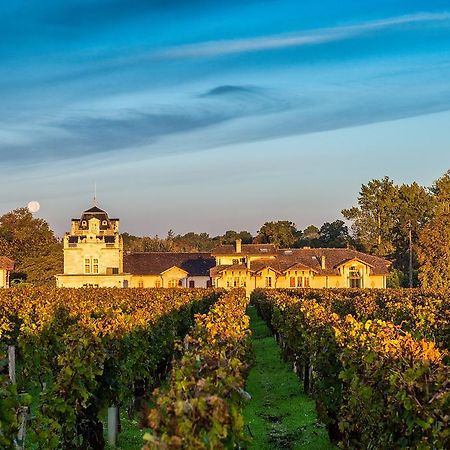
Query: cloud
88 135
280 41
229 89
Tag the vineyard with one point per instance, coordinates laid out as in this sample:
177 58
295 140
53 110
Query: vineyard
374 361
82 350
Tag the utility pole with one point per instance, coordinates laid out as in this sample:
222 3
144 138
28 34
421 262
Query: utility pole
410 255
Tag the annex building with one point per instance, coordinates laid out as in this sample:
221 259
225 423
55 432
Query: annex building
94 257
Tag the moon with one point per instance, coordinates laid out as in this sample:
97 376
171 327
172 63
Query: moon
33 206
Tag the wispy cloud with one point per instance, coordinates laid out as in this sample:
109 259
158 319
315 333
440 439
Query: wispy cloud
314 37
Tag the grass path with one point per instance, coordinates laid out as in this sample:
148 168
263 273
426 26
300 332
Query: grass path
279 415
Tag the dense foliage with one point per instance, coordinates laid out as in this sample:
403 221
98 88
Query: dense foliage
376 384
82 350
32 244
200 408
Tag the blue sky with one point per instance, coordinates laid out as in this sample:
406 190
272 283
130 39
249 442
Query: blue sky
208 116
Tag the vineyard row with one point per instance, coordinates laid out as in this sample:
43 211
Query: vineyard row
367 358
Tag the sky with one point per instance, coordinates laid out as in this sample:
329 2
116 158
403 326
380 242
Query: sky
210 116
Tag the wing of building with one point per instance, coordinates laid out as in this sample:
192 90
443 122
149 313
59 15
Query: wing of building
94 257
6 267
168 269
264 266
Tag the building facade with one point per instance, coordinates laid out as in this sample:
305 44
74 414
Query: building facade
264 266
94 257
6 267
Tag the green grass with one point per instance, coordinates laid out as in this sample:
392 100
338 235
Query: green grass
279 415
130 437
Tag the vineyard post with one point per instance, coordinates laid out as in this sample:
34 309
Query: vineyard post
112 425
12 363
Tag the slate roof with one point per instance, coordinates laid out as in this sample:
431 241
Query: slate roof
6 263
154 263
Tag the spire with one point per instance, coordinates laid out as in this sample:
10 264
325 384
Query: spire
94 200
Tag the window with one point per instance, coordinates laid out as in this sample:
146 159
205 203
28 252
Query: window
299 281
354 278
292 282
95 266
235 261
306 279
174 283
268 282
208 283
191 284
180 283
105 223
236 282
87 265
112 271
157 284
141 283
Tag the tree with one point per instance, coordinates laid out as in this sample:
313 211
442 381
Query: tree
309 237
230 237
434 239
375 216
283 234
32 245
414 210
334 234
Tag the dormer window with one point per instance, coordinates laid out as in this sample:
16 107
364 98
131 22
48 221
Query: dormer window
104 223
84 223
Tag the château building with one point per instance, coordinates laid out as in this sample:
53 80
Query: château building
94 257
6 267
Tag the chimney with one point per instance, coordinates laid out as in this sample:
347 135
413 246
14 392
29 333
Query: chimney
322 262
238 245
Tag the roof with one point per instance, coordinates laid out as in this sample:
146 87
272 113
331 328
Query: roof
246 249
6 263
311 259
334 257
154 263
97 213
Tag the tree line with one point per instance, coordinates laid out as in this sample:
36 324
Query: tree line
408 224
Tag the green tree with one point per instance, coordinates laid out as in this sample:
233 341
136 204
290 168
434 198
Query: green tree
414 209
230 237
375 217
434 239
309 237
282 233
334 234
32 244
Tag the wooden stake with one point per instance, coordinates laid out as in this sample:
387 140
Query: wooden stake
12 363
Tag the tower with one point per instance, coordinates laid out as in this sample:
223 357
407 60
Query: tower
93 252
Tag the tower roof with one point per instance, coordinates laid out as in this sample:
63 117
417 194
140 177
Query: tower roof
97 213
